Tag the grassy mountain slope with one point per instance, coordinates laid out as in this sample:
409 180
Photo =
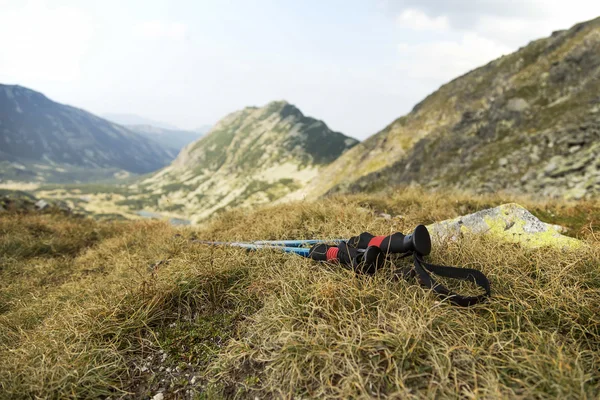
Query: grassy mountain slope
528 122
91 309
252 156
37 130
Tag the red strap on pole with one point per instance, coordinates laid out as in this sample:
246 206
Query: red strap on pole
332 254
376 241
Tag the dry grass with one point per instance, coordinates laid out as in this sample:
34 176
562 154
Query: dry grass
85 311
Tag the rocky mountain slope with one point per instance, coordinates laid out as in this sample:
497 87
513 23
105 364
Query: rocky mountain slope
35 130
172 140
252 156
526 122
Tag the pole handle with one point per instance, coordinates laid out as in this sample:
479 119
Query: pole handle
418 241
361 261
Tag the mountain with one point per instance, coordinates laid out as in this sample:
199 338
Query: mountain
252 156
203 129
526 122
172 139
52 136
132 119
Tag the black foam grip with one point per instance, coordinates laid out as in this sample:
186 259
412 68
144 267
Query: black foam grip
319 252
349 257
393 243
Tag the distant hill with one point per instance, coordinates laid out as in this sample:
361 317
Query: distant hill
132 119
170 138
252 156
52 137
203 129
527 122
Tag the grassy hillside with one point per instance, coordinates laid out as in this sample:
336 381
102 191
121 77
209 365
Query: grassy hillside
126 309
250 157
527 122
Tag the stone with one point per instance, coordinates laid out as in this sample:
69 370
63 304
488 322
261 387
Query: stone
158 396
517 104
385 216
576 193
552 165
503 162
508 222
42 204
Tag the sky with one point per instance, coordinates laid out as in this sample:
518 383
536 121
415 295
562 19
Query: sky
357 65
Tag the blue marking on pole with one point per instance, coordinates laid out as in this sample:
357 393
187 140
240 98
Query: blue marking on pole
251 246
299 243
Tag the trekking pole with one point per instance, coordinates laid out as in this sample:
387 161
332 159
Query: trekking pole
418 241
360 260
366 253
298 243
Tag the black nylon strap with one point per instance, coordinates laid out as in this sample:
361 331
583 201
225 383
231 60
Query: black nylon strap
423 270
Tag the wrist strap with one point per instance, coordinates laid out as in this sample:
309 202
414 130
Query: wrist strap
424 270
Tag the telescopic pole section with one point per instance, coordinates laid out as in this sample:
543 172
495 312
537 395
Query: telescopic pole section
251 246
298 243
363 261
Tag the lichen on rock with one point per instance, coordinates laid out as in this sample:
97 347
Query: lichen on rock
508 222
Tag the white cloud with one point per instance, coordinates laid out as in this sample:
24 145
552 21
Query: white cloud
450 39
417 20
446 59
40 42
161 30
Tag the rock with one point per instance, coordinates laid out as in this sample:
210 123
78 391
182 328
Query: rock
574 149
385 216
552 165
194 379
576 193
63 207
158 396
517 104
503 162
508 222
41 205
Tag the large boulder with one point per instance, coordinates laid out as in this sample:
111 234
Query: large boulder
509 222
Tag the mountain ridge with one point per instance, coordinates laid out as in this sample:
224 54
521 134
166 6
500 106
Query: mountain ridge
125 119
494 128
251 156
36 129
